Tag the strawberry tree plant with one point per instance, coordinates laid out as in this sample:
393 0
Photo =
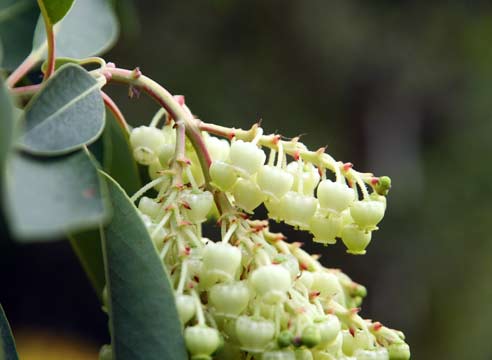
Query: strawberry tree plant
70 158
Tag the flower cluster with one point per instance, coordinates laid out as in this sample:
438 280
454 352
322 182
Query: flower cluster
252 294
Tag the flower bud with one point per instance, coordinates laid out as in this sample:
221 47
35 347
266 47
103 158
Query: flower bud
274 181
229 299
398 351
145 142
222 175
304 354
201 341
284 339
306 279
374 354
367 213
329 327
310 177
221 260
217 148
325 229
334 196
200 204
355 239
254 334
247 195
328 285
155 171
271 282
291 263
310 336
149 207
185 304
279 355
246 157
106 353
275 210
298 208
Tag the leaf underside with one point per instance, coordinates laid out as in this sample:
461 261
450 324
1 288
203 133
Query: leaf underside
67 113
46 197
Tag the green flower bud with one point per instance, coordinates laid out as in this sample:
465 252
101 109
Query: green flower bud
311 336
274 181
229 299
223 175
106 353
185 304
254 334
201 341
355 239
247 195
246 157
285 338
398 351
383 185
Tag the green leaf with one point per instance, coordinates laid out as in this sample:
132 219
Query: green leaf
87 247
118 160
55 10
7 344
65 115
143 317
17 23
6 123
89 29
47 197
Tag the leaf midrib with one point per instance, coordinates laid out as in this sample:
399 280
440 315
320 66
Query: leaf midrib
65 107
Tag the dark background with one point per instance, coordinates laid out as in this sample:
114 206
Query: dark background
399 88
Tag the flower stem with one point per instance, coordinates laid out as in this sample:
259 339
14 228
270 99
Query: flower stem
179 114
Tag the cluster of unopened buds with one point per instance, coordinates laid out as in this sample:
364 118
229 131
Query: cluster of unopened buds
252 294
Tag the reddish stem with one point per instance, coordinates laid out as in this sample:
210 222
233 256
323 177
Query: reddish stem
21 71
50 35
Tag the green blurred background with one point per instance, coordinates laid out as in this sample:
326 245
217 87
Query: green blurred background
399 88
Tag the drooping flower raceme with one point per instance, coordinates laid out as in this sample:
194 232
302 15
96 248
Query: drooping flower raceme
251 294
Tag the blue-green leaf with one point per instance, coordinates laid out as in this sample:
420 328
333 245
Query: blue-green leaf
47 197
143 318
65 115
89 29
17 23
7 344
54 10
